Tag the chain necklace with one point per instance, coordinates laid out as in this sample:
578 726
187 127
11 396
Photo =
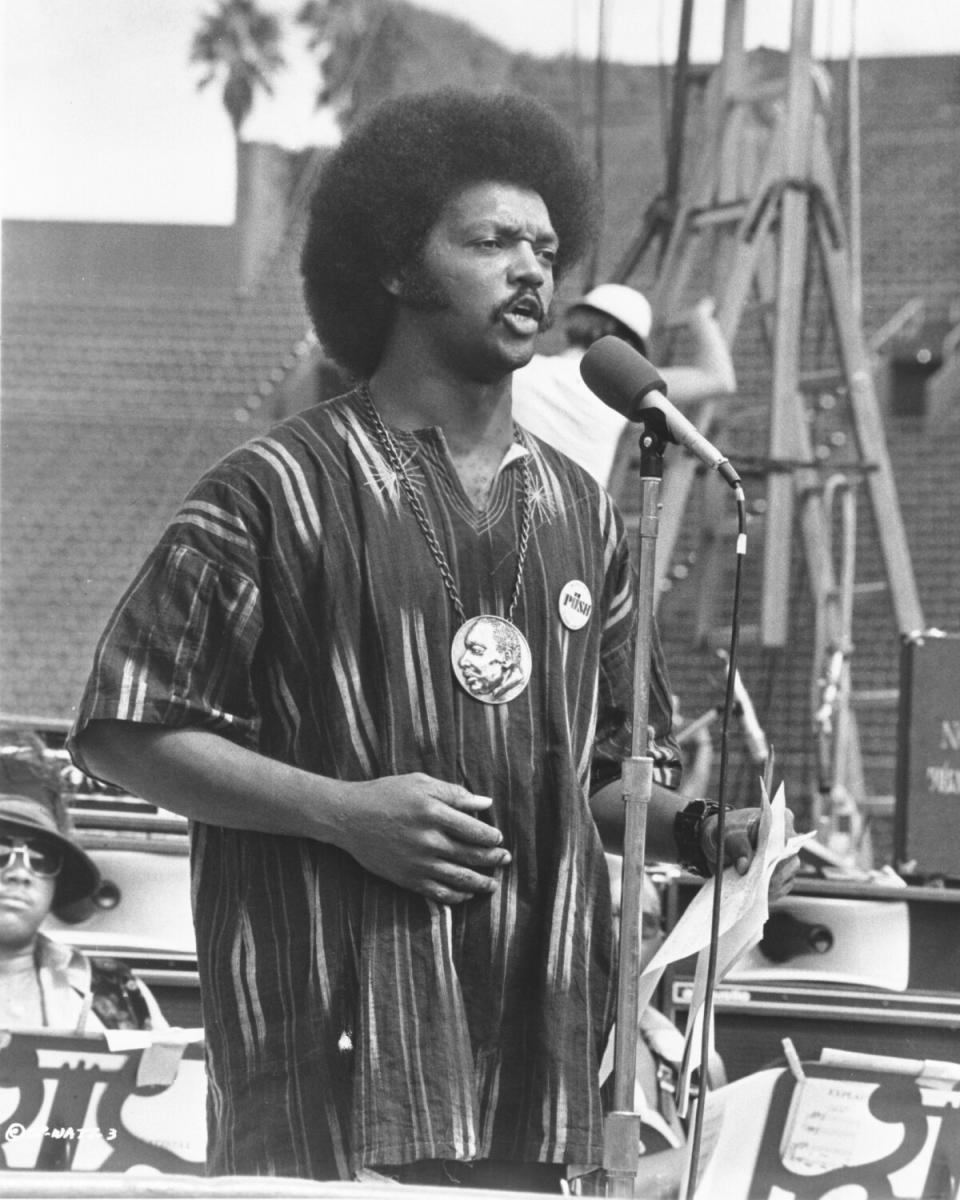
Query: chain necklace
490 656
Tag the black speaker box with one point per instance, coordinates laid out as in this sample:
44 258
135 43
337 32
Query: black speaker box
809 991
927 808
751 1019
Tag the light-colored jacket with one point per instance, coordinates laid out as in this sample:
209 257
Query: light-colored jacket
71 988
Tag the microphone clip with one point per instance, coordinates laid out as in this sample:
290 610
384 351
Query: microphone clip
654 437
657 433
654 422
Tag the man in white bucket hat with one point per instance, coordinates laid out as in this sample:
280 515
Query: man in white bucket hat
552 401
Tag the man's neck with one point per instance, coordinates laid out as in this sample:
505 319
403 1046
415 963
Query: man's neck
475 417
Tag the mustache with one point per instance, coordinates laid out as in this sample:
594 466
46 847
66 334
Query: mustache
544 315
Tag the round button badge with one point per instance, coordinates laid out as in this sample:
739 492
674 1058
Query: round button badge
576 604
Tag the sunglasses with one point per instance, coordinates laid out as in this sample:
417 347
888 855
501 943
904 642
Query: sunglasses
42 858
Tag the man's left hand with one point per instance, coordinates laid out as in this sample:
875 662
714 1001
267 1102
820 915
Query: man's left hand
740 830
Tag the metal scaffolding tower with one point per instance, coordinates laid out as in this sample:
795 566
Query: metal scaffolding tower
760 212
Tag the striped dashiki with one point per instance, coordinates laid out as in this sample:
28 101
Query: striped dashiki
294 607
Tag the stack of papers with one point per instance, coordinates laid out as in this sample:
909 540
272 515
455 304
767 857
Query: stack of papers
744 909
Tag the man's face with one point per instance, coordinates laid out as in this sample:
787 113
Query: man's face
25 900
483 666
482 287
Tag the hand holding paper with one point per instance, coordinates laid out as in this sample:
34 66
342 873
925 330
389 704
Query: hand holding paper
744 909
744 898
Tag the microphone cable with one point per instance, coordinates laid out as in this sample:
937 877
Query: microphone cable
728 706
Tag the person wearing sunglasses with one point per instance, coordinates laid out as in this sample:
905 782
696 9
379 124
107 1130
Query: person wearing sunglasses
45 984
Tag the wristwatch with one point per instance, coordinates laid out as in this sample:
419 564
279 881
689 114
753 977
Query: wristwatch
688 835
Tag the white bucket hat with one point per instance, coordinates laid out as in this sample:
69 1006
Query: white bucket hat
625 304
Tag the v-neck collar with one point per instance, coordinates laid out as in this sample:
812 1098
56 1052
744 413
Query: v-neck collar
432 439
516 452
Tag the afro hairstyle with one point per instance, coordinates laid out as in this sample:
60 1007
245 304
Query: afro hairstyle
382 190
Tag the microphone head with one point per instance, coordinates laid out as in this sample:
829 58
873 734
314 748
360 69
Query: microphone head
627 383
620 376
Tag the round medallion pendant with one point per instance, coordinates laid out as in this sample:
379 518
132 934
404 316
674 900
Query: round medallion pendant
491 659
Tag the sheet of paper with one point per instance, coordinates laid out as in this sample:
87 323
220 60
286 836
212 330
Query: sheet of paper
744 909
743 896
713 1116
121 1040
828 1125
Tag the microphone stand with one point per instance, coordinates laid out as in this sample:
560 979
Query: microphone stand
622 1147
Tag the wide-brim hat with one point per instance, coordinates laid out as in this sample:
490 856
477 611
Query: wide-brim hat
625 304
79 877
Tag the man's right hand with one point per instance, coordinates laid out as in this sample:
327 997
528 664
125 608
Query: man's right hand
418 832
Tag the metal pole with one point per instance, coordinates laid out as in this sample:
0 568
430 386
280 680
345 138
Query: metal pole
599 122
853 116
621 1151
774 617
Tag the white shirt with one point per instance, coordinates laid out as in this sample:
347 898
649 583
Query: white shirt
552 401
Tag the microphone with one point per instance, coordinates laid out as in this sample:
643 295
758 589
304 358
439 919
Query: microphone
624 380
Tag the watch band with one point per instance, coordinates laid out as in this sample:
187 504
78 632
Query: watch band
687 833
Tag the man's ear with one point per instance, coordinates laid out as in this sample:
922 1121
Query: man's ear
392 282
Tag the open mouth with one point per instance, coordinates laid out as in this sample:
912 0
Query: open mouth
524 313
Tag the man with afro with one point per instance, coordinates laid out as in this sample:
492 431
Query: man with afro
402 906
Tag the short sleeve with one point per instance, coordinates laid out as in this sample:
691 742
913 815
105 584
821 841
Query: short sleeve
179 648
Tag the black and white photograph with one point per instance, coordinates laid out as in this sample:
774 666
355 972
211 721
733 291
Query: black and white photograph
480 599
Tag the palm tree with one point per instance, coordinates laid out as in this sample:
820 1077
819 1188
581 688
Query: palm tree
243 43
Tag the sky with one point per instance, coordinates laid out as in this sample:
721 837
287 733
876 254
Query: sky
102 119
